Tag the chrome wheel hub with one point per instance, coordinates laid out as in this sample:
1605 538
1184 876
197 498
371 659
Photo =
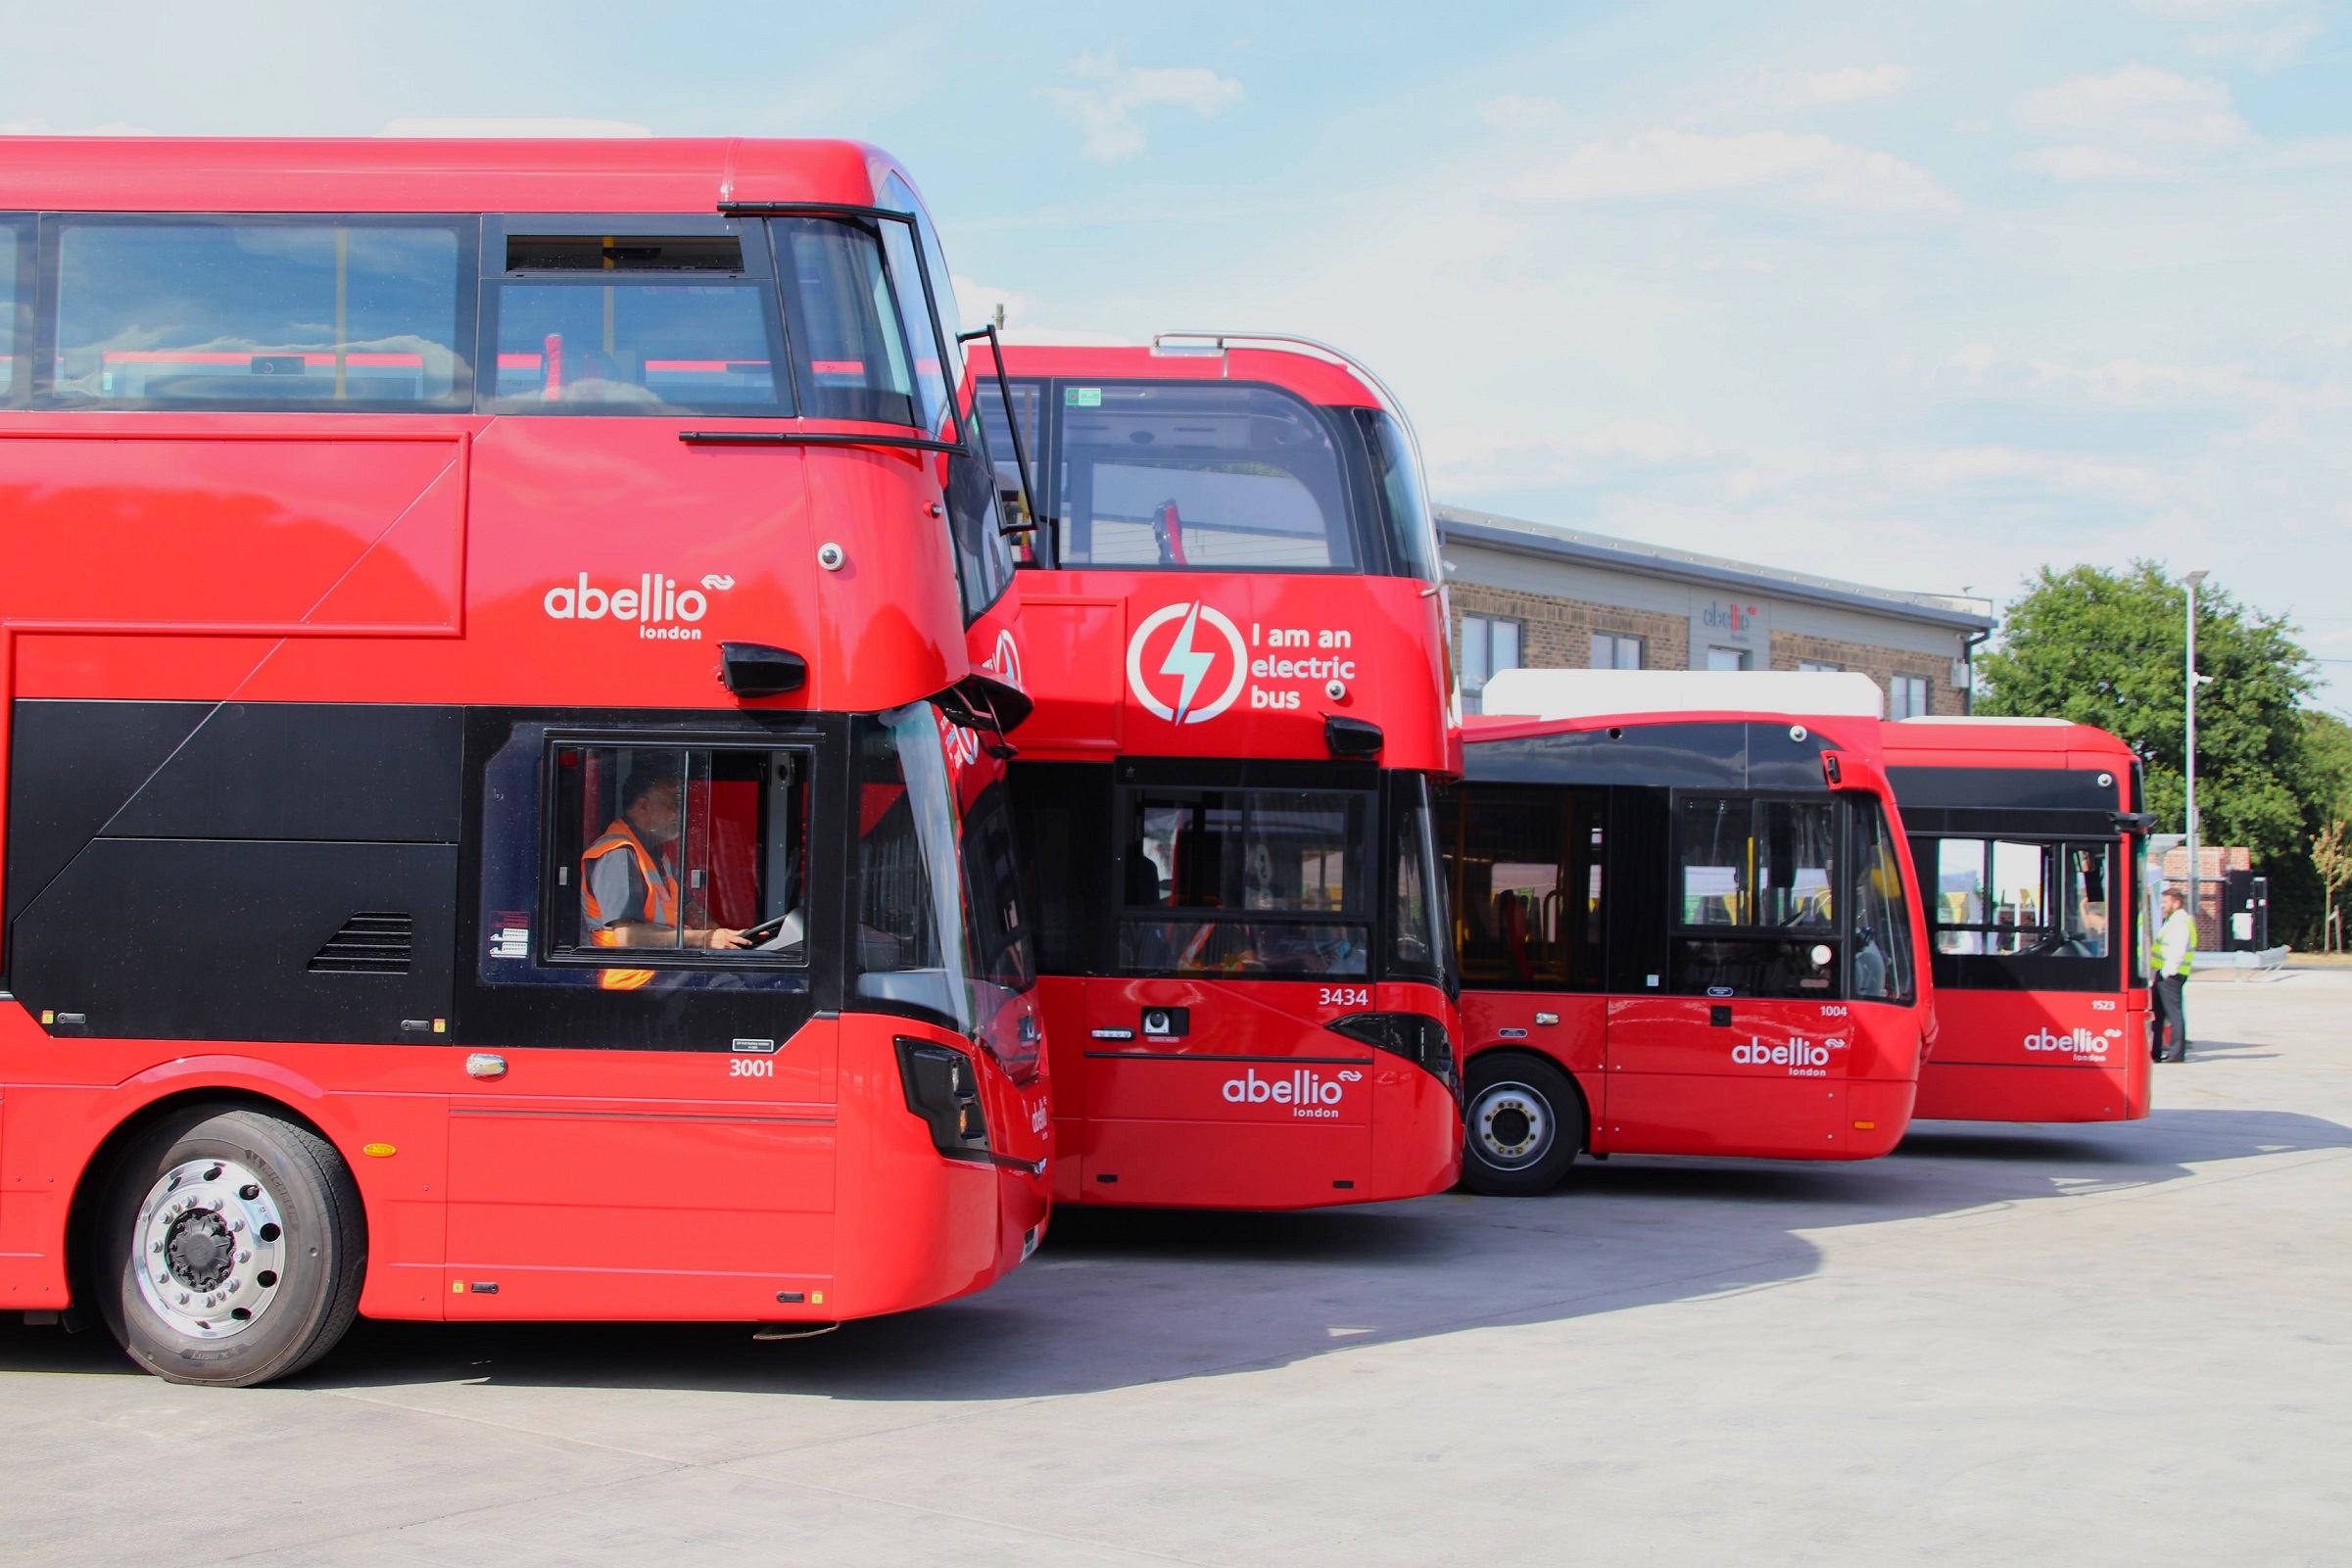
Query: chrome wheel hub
212 1249
1511 1124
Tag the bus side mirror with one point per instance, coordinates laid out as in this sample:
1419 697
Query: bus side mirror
1352 737
756 670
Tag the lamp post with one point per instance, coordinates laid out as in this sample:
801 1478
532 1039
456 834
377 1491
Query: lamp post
2197 907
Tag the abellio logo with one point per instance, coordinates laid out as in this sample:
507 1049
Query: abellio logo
1797 1054
1306 1093
2082 1042
661 612
1180 687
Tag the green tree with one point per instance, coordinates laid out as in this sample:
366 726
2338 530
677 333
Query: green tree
2105 648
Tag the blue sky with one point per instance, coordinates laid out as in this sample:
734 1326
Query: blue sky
1925 296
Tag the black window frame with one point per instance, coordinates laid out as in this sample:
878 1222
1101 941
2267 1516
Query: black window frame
465 331
554 855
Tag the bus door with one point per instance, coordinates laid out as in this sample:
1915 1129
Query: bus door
1243 926
1528 863
646 1118
1727 1033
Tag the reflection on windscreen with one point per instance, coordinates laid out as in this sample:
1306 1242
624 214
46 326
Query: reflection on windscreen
1266 880
1204 476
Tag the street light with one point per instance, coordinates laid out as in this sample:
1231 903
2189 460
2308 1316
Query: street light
2197 907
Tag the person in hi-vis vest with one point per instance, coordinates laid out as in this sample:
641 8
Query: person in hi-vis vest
2176 955
628 897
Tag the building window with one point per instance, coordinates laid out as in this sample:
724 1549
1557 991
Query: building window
1727 658
1615 650
1907 696
1817 667
1490 646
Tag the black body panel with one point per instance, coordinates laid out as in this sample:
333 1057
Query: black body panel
1729 755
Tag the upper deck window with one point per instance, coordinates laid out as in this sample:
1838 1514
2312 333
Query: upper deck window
644 346
258 313
1170 474
852 352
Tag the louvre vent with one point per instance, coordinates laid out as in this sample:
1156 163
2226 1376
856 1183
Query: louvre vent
370 943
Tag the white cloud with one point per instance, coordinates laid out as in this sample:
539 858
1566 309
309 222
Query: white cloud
1106 111
34 126
2260 48
2139 106
1469 460
2204 8
1518 116
1855 84
1965 467
1809 170
1022 323
523 127
2078 162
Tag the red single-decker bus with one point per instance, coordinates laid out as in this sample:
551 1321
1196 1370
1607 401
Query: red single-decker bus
1686 923
2029 837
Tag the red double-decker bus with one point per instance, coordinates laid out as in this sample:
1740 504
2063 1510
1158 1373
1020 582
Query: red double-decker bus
501 818
1686 923
1236 646
2029 839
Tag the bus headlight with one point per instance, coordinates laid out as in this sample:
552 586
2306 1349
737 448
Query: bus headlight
1415 1037
943 1089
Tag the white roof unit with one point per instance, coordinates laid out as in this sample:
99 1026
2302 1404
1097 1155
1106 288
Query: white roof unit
1608 694
1984 719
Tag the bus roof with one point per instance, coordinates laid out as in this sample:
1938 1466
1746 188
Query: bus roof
1311 376
1640 695
1953 741
393 174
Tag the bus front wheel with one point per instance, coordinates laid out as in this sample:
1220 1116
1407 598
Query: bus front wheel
232 1248
1524 1125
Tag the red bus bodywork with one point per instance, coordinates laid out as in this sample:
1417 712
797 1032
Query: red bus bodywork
257 581
1668 1057
2041 990
1177 668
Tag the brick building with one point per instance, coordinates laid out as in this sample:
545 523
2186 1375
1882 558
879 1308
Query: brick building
1524 594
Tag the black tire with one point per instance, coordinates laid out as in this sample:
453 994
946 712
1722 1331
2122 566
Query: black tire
1524 1124
230 1247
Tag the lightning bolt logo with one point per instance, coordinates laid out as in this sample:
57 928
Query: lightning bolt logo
1191 657
1183 661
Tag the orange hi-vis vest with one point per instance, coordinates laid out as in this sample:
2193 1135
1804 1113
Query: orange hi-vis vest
660 903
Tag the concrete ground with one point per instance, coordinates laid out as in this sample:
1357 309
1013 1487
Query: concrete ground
2114 1343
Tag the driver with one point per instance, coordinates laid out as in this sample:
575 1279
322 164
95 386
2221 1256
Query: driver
628 896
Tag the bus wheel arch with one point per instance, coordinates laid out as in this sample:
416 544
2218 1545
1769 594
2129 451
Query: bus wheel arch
192 1186
1526 1120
